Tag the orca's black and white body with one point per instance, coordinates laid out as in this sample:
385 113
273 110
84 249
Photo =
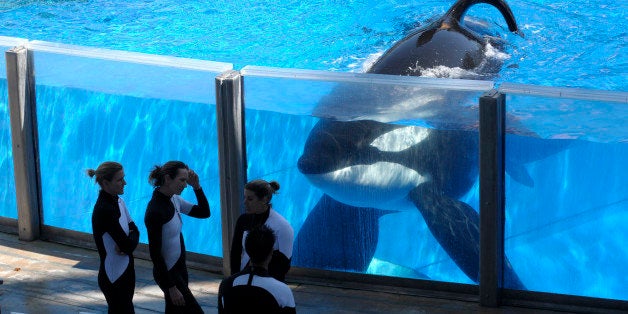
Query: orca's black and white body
364 166
446 42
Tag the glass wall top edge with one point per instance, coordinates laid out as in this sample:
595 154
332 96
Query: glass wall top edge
12 41
318 75
564 92
128 56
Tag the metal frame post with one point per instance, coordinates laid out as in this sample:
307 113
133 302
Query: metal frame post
492 133
23 115
232 155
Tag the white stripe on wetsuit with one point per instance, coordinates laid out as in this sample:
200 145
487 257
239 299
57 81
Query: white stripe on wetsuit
170 232
116 262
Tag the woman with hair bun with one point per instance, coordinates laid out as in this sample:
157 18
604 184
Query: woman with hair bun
165 240
116 237
259 211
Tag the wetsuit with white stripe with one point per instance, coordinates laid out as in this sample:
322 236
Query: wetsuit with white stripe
282 251
166 245
254 291
116 237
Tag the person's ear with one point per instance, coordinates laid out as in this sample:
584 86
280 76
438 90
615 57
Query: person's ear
105 185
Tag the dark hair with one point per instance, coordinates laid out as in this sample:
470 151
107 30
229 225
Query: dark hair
105 171
157 175
263 188
259 243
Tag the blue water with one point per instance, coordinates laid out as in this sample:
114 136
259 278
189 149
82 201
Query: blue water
574 214
561 36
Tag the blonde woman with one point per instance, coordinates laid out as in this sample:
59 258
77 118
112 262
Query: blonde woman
116 238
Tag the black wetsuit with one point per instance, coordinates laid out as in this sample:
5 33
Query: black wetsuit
254 291
166 245
282 251
116 237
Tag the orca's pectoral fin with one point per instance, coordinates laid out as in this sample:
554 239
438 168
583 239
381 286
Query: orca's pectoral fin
523 150
511 279
337 236
519 173
455 225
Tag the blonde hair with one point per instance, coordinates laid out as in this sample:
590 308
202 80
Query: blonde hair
105 171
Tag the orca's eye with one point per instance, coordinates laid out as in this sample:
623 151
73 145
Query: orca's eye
400 139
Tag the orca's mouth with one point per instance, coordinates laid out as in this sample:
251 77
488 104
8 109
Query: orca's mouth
324 154
308 165
331 159
368 185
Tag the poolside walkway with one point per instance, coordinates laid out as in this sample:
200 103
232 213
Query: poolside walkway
44 277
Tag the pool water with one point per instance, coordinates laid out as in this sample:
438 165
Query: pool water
578 206
561 36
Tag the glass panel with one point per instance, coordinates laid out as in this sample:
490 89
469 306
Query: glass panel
367 165
566 192
96 105
8 202
8 207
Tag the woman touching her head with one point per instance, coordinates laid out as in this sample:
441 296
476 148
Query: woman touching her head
165 240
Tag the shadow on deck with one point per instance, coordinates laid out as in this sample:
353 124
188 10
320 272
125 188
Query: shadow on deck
45 277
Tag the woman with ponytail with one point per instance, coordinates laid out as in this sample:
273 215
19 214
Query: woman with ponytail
116 237
165 240
259 211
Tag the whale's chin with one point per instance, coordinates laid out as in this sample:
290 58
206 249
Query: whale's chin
377 185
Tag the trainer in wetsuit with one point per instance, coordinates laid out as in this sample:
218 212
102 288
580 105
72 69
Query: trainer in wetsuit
253 290
259 211
116 237
165 241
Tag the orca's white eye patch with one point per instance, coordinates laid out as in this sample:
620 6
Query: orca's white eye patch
400 139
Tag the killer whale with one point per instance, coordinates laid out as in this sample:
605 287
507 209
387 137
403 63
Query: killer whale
427 167
446 42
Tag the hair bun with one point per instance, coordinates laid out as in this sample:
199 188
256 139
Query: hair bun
274 185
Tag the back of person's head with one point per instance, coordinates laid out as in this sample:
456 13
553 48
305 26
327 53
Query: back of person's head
158 174
105 171
259 243
262 188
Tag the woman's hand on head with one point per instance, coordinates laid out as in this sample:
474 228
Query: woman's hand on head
193 180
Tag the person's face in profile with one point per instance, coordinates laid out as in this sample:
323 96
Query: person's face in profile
254 204
177 184
116 185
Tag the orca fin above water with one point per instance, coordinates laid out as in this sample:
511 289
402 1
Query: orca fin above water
459 9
